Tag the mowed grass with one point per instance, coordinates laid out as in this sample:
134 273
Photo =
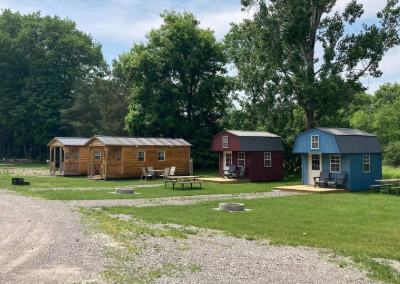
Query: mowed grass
362 226
103 189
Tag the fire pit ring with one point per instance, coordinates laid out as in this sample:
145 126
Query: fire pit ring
231 206
124 191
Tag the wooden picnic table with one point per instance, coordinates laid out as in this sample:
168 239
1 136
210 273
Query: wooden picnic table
179 179
389 182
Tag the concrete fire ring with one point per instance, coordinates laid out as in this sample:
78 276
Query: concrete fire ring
124 191
231 206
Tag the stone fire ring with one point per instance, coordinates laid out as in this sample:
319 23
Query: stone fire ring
231 206
124 191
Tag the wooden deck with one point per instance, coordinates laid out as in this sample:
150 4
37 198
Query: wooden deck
224 180
96 177
309 189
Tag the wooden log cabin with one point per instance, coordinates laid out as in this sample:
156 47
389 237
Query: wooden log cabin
68 156
123 157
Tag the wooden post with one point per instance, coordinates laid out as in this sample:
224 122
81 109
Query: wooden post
106 165
50 158
122 161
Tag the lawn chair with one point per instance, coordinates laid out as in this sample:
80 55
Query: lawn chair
338 182
229 173
322 179
151 171
165 173
146 174
240 175
172 171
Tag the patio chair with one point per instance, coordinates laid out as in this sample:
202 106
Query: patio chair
146 174
150 170
229 173
240 175
322 179
338 182
165 173
172 171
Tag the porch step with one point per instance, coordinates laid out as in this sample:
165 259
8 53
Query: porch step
95 178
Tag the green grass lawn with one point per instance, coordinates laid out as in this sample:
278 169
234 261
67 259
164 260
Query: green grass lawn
390 172
98 193
362 226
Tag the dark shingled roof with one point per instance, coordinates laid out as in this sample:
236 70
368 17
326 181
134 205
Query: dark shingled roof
258 141
354 141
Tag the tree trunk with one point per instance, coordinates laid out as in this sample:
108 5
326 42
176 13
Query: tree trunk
309 118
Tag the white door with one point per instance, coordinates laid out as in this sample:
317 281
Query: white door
314 166
227 160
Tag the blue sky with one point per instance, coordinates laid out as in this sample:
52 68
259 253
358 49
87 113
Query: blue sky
118 24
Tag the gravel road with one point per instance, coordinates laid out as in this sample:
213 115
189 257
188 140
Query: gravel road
176 200
43 242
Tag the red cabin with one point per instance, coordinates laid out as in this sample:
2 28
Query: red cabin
261 152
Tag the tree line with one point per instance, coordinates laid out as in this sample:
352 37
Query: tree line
298 66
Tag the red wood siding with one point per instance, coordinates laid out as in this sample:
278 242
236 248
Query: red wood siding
233 142
255 170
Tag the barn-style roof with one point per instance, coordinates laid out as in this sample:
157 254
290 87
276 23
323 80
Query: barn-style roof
70 141
257 141
353 141
139 141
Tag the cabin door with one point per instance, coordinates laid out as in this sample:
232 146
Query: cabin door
227 160
314 166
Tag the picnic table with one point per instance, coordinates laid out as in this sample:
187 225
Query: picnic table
389 182
181 180
158 172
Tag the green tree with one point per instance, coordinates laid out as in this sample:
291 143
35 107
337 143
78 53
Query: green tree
392 156
363 121
386 125
41 58
275 53
179 87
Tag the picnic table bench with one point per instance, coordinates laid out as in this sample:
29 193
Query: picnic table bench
182 180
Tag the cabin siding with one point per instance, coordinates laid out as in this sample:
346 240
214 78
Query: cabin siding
233 143
261 173
83 160
361 180
327 143
304 166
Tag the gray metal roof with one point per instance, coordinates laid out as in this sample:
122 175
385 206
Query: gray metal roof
71 141
140 141
357 144
241 133
344 131
266 143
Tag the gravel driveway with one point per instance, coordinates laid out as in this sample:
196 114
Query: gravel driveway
43 242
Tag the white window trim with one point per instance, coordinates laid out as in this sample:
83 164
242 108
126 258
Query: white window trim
159 156
226 159
225 139
244 159
312 142
330 164
369 164
97 156
144 156
270 160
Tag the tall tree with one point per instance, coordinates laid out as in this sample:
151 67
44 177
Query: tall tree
275 53
41 58
179 87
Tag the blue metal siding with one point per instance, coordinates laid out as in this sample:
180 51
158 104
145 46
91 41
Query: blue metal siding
327 143
304 166
359 179
344 167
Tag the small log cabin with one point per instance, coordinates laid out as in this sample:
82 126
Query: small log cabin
261 152
68 156
123 157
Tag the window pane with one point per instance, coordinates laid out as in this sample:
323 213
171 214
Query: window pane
97 155
161 156
315 162
140 156
228 160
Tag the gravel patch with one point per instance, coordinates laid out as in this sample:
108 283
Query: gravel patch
27 172
209 256
176 200
43 242
95 188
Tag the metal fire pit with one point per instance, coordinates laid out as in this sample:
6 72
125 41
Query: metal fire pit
231 206
124 191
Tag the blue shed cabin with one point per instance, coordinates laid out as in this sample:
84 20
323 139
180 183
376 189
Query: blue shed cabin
336 150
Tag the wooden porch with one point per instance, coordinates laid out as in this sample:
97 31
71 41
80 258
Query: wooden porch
224 180
309 189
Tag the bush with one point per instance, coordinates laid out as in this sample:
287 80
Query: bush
392 154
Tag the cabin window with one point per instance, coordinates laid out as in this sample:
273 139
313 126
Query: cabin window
118 157
76 155
335 163
367 163
267 159
315 163
228 159
161 156
241 156
141 156
225 142
314 142
66 155
97 155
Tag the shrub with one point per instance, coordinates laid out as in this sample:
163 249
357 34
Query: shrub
392 154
